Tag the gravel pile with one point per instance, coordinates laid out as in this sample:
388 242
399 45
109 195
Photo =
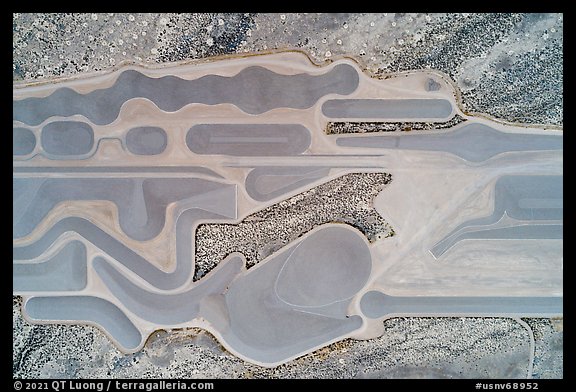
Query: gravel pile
343 127
347 199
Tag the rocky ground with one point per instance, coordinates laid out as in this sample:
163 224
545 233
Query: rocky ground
410 348
480 348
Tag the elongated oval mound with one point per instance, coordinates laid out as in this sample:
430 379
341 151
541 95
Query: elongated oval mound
387 108
146 140
331 265
248 139
23 141
67 138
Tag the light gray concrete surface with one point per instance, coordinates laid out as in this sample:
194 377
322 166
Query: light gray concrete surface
117 169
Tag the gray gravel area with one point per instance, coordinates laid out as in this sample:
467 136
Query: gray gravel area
343 127
549 351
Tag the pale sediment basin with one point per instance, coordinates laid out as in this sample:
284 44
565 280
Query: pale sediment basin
65 271
375 304
125 255
526 206
255 90
289 305
146 140
226 196
23 141
472 142
67 138
387 109
266 183
248 139
86 309
141 202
